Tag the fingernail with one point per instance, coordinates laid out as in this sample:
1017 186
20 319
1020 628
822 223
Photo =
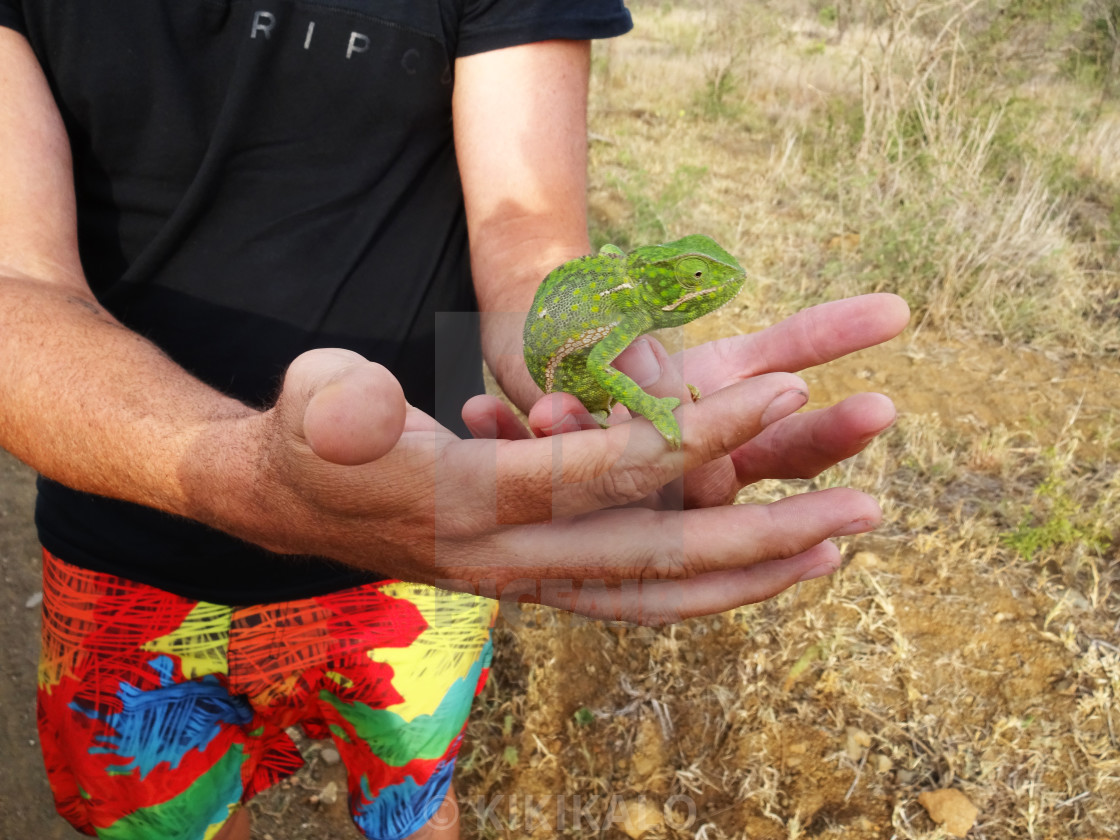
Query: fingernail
563 426
819 570
783 405
641 363
484 427
856 526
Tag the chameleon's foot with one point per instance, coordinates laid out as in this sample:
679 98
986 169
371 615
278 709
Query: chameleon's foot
601 416
661 415
694 392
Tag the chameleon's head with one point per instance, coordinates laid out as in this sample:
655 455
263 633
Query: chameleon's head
685 279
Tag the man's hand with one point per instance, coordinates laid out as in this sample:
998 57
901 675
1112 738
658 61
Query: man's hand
802 446
789 446
579 521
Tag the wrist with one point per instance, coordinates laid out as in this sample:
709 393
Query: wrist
226 479
505 301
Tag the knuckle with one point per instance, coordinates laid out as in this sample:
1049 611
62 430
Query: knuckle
662 558
625 484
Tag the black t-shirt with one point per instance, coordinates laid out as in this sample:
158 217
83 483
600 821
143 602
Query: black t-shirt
256 178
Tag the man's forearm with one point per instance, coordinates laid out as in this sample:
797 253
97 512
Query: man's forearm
82 399
521 141
92 405
503 314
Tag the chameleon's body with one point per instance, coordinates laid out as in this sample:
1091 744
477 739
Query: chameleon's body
588 311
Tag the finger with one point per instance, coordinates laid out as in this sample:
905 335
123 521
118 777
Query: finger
353 410
652 369
634 545
717 482
798 446
559 413
804 445
590 471
489 418
812 337
660 602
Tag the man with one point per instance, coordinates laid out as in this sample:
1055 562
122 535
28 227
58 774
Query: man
196 194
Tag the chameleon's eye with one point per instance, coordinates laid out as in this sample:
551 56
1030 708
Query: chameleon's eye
691 270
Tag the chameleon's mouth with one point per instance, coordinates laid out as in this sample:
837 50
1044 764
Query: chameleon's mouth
669 307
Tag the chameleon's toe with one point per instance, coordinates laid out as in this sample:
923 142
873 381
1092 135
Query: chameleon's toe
664 421
694 392
601 417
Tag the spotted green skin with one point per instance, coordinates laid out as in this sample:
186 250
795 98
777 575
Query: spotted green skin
588 311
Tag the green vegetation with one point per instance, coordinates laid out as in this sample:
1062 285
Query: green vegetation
584 716
1059 521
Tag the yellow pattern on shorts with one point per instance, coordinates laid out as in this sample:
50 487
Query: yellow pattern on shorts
201 642
458 629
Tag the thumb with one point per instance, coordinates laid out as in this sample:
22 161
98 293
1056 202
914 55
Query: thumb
347 409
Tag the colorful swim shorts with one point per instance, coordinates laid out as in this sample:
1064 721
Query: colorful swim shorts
159 715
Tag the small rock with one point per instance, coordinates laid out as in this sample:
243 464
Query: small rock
857 742
35 600
649 750
329 794
883 764
1076 600
330 756
950 809
641 817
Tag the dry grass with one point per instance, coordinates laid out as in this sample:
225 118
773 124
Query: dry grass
940 657
891 158
974 642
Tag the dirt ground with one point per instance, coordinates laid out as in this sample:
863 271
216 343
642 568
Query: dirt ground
25 802
817 734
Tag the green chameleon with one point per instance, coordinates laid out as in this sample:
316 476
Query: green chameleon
588 311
